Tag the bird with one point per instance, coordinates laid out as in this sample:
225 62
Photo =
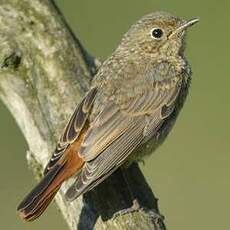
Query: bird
132 104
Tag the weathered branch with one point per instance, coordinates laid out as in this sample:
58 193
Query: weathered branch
44 71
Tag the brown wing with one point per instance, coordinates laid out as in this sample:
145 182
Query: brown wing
117 131
73 128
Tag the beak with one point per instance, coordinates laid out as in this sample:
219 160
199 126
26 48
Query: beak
184 26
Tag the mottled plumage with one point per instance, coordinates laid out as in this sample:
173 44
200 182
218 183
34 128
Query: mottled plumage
132 105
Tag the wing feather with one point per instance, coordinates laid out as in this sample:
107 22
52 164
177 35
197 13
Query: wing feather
99 137
117 131
113 156
73 128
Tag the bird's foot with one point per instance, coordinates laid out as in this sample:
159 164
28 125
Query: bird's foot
134 208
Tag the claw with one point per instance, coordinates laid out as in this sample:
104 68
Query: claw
134 208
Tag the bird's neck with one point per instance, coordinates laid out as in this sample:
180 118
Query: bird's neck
171 52
138 60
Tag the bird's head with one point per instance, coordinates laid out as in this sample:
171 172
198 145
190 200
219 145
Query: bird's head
154 35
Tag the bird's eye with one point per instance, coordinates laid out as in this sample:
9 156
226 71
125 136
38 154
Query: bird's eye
157 33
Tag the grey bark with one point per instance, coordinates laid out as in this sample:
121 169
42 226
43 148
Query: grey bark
44 71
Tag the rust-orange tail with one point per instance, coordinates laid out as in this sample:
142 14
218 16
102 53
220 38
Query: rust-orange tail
35 203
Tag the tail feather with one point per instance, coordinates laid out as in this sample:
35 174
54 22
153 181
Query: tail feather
41 208
39 198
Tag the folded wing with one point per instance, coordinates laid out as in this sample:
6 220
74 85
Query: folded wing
117 131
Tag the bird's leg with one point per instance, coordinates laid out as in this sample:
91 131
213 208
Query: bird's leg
135 204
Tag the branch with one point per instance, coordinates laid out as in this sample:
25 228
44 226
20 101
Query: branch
44 71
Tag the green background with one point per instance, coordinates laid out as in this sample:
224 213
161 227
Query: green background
190 172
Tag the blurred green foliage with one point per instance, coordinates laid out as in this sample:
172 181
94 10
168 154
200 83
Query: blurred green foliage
190 172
